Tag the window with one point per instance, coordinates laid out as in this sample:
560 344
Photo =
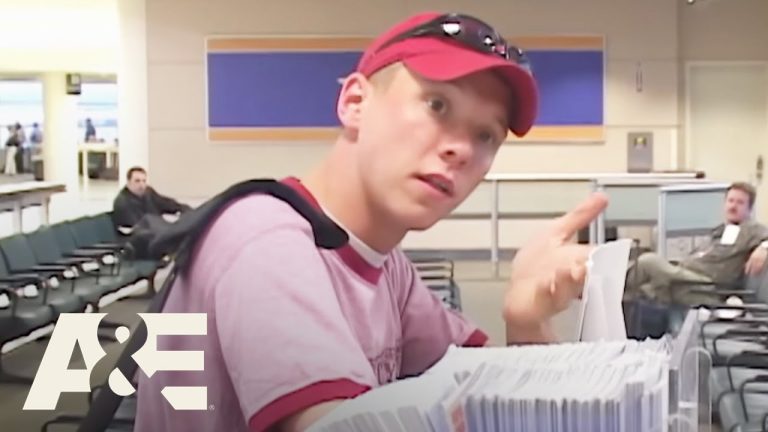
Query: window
21 101
98 102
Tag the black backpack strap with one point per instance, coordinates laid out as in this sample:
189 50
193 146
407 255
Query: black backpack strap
181 239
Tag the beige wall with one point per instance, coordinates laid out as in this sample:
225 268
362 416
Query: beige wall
652 36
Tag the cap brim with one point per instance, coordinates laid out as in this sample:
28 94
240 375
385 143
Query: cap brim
449 63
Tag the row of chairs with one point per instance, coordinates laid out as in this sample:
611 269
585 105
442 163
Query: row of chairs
67 267
736 337
437 273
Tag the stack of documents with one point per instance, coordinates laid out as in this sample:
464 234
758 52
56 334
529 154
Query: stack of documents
598 386
597 381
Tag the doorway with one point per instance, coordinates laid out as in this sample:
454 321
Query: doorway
727 124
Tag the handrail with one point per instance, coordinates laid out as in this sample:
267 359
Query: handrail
596 181
578 177
662 182
696 187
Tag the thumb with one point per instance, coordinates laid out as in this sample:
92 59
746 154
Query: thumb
580 217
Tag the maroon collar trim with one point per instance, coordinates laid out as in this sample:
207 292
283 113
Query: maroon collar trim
347 253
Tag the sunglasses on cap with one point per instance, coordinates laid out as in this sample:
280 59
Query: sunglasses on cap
470 32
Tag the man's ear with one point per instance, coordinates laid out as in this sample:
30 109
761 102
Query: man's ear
355 92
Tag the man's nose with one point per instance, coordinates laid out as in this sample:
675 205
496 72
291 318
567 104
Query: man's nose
457 151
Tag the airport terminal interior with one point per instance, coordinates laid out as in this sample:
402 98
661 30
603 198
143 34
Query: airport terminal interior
660 106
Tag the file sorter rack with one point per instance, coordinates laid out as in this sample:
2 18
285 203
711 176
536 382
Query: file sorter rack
690 407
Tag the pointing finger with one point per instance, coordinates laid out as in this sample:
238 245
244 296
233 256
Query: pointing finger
580 217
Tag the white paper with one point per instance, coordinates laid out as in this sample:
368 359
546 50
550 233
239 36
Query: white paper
602 315
416 393
730 234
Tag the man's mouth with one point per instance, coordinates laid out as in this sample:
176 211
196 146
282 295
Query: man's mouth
439 182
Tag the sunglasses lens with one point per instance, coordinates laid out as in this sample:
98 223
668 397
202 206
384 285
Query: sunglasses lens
481 36
471 32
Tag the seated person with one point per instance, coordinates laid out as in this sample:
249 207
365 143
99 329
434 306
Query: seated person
737 247
137 199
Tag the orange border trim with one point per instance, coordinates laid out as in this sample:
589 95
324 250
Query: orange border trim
596 43
326 43
320 43
272 134
562 133
539 133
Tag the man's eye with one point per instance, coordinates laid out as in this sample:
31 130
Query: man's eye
486 138
437 105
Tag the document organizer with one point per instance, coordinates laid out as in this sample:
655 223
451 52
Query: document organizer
690 405
612 386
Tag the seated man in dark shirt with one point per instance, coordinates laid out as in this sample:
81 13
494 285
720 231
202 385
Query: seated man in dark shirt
137 199
737 247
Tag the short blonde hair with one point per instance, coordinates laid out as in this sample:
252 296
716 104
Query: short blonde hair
382 78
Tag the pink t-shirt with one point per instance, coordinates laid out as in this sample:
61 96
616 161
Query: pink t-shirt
291 325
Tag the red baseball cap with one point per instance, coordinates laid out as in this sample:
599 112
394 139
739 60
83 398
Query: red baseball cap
441 59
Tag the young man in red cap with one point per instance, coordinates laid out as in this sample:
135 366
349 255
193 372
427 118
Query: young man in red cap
294 330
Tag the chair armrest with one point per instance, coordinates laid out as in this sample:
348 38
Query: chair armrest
745 332
41 272
22 278
69 261
723 292
102 248
108 245
751 321
755 335
749 307
49 267
751 359
87 253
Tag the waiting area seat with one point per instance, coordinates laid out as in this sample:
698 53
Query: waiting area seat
735 335
437 273
68 267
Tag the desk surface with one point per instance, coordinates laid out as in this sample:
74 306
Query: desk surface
22 188
651 182
706 187
97 147
581 177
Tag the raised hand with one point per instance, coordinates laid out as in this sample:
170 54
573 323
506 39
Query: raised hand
548 271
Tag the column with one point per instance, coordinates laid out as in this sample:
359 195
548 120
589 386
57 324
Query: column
132 122
60 135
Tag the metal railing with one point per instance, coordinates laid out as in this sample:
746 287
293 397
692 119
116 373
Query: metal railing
595 182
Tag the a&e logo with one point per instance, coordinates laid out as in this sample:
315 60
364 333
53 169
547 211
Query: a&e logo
54 377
